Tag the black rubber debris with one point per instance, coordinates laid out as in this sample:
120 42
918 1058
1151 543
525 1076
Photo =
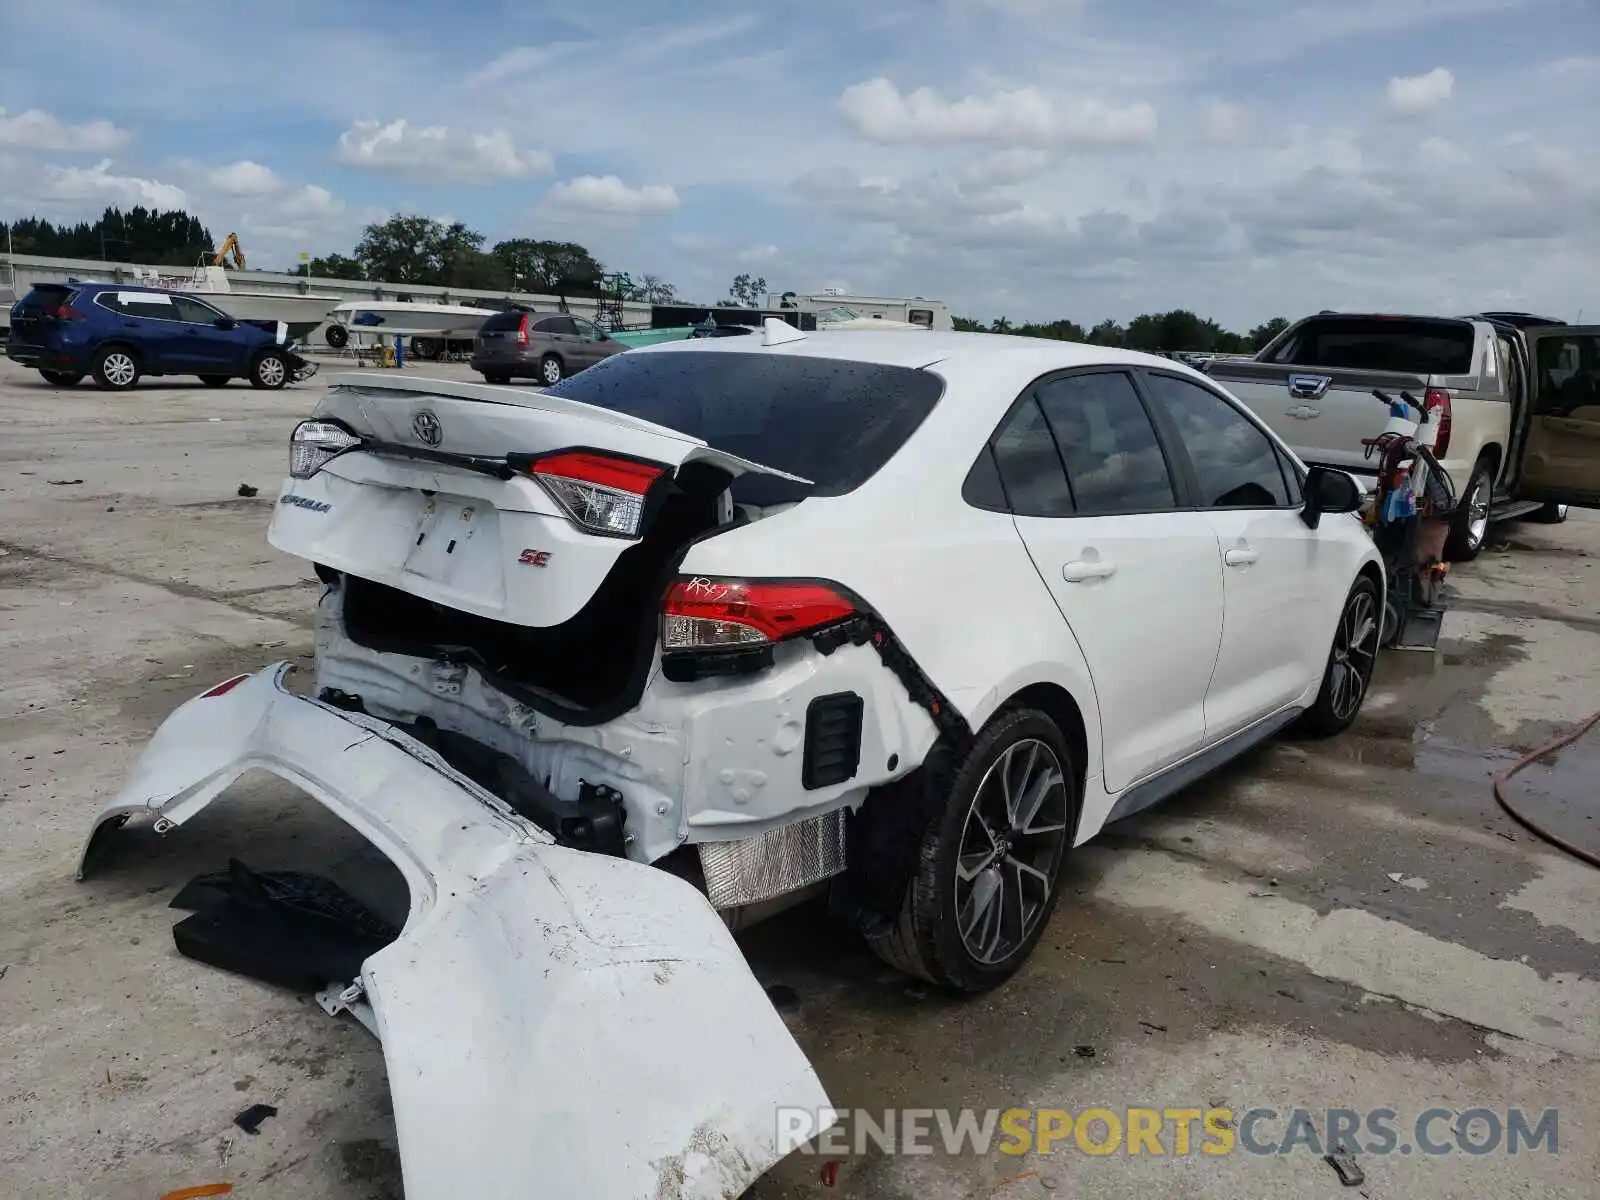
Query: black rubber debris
250 1119
1344 1163
246 490
287 928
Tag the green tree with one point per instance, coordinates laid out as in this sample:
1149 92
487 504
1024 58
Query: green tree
1000 325
968 325
1108 333
335 266
1258 337
548 268
748 292
1061 330
144 235
655 290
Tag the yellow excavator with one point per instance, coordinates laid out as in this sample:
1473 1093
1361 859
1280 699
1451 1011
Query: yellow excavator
230 246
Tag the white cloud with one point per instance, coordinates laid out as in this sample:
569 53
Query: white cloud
1227 124
98 185
444 154
242 179
38 130
606 195
1413 95
1026 116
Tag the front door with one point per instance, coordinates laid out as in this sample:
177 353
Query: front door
1560 461
1250 494
206 349
1138 581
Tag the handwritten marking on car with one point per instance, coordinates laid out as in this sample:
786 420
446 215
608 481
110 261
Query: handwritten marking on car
534 558
705 589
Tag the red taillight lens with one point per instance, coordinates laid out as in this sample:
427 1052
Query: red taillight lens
67 313
223 688
599 492
712 614
522 330
1437 401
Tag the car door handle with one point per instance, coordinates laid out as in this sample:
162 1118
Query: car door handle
1082 570
1239 556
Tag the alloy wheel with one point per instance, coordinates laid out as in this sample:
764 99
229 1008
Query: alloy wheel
270 370
1355 649
1478 512
552 370
1011 847
119 369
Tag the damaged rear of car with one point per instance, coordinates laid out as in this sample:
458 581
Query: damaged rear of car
510 575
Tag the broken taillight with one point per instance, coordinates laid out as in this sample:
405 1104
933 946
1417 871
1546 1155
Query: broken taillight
1437 402
314 443
601 493
711 614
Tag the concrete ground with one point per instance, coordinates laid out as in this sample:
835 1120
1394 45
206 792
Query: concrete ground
1343 924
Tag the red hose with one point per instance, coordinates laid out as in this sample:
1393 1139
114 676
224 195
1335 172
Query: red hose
1566 739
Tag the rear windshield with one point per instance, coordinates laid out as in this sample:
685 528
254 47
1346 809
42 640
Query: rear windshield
47 299
1418 347
501 321
832 421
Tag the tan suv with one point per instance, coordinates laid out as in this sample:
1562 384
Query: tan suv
543 346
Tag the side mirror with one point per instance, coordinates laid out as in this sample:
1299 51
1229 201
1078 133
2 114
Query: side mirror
225 323
1329 491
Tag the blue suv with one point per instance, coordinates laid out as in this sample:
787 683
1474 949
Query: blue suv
118 334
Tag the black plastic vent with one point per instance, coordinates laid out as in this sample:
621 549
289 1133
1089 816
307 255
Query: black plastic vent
833 740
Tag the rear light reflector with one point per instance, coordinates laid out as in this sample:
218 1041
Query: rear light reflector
314 443
223 688
1437 402
715 614
522 330
602 493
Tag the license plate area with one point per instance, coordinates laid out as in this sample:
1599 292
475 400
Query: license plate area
451 535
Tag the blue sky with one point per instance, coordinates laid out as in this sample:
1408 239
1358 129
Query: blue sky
1037 158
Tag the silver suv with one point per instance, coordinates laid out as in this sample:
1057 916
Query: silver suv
543 346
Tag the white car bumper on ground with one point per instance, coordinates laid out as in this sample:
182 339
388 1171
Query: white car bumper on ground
553 1021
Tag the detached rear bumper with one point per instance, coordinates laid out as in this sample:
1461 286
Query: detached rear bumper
553 1021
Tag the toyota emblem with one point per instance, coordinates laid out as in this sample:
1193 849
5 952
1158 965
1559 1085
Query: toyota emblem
426 426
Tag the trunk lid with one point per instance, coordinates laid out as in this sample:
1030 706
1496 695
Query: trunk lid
33 316
443 499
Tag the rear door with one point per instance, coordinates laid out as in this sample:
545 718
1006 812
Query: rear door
149 320
1560 457
591 344
1138 579
1279 582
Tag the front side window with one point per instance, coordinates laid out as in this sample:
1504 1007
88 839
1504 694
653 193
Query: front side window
1235 463
193 311
1114 462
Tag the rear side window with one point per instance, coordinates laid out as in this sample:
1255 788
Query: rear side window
1235 464
1030 464
1568 372
1418 347
557 325
831 421
157 305
1114 462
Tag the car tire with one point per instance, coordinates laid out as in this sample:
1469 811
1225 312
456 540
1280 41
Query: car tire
551 369
1469 524
495 377
1550 514
955 926
270 370
1351 657
215 380
116 368
63 378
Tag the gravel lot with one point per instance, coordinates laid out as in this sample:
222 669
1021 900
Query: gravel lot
1345 924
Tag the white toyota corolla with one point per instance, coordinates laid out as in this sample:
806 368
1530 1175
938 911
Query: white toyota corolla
906 615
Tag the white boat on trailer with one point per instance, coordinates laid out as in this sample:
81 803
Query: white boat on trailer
301 313
435 324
